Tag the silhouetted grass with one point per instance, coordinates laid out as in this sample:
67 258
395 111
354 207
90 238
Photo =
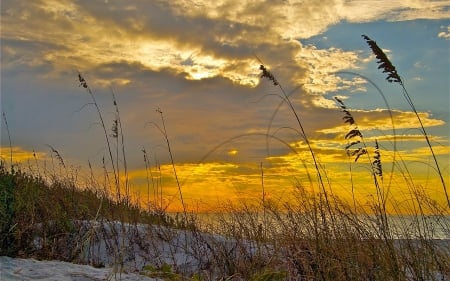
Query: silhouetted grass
393 77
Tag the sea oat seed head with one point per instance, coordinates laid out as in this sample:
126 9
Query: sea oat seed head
383 60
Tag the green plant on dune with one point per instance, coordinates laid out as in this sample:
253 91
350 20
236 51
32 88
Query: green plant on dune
7 213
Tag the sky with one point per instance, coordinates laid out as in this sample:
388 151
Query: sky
193 67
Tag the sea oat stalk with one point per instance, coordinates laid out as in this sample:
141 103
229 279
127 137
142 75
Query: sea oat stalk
119 132
357 147
393 76
9 138
84 84
267 74
164 133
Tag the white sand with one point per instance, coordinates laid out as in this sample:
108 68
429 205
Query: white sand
30 269
139 245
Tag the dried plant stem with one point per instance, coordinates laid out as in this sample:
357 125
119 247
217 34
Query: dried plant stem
58 156
263 195
9 139
164 132
427 139
122 141
150 177
286 98
316 165
394 132
358 148
160 184
353 185
100 116
393 76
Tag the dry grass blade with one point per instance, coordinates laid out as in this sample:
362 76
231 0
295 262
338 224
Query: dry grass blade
267 74
9 138
85 85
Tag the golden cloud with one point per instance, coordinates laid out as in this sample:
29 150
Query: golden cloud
19 154
201 40
379 120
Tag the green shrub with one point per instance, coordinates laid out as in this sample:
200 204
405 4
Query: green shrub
7 213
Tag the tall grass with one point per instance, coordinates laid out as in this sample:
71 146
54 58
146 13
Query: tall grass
356 148
393 77
114 166
166 137
317 236
287 242
9 138
267 74
27 207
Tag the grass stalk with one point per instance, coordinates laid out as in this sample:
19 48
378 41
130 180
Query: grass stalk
267 74
85 85
9 139
119 132
166 137
391 117
359 148
393 76
150 177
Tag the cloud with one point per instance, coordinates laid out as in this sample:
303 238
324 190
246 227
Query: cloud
88 34
304 19
438 150
19 155
365 11
322 65
379 120
444 34
165 35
